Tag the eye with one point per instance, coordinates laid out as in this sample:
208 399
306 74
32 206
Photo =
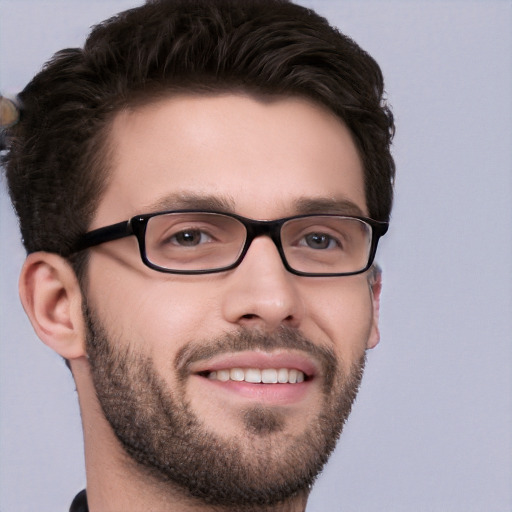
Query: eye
189 238
319 241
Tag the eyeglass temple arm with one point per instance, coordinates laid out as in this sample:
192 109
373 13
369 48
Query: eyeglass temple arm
102 235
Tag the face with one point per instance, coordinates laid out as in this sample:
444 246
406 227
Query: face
173 356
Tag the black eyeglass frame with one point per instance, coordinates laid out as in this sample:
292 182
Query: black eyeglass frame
254 228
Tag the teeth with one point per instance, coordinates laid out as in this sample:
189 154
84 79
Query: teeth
223 375
237 374
253 375
282 375
257 376
269 376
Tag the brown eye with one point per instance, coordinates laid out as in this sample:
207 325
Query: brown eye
188 238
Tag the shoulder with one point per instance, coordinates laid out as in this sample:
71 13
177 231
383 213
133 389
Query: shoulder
80 503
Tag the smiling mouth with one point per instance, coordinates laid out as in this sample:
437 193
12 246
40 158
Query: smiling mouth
258 376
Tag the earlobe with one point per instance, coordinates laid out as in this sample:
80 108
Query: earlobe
375 283
52 299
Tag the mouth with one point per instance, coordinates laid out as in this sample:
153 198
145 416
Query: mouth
267 377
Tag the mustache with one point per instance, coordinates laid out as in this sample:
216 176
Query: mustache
244 339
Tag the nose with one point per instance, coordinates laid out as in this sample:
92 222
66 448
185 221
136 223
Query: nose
261 293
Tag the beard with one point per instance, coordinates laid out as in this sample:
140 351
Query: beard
257 469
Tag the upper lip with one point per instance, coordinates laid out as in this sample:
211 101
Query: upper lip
257 359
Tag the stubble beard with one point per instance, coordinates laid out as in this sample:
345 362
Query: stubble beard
258 469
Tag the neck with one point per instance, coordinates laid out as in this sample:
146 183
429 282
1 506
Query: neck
116 483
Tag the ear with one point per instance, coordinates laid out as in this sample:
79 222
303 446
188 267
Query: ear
375 283
52 299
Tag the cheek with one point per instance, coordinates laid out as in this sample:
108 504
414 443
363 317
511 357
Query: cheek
172 315
343 312
154 314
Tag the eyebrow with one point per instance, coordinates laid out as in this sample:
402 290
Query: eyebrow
339 206
184 201
226 204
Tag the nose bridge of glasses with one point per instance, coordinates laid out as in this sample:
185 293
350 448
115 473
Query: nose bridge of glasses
257 228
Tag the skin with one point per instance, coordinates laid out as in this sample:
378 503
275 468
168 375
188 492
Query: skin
261 159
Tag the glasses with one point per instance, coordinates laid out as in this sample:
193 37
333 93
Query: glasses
204 242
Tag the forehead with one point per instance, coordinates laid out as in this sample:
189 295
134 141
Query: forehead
259 158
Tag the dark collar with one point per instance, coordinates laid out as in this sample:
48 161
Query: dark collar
79 503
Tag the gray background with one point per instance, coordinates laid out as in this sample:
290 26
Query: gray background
432 426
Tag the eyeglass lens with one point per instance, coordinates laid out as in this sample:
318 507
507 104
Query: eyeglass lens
208 241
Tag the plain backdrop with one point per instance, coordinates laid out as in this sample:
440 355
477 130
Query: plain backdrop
431 430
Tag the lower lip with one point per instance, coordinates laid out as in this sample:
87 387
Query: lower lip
272 394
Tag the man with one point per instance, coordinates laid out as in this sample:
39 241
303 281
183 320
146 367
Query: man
201 190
